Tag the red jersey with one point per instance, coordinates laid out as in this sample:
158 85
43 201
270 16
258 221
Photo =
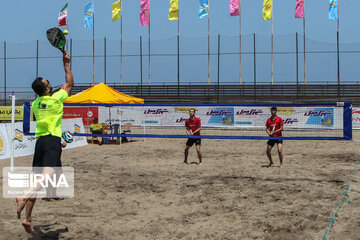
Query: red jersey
275 125
193 125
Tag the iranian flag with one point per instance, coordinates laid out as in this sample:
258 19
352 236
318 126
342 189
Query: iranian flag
63 15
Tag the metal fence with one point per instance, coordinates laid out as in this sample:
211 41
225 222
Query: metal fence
20 63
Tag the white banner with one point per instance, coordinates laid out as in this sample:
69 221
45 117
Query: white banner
25 145
74 125
4 142
356 118
224 116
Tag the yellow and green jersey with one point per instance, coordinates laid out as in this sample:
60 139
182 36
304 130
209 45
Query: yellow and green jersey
96 126
48 112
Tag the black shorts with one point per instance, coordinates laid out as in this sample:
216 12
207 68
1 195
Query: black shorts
96 132
191 141
272 142
47 152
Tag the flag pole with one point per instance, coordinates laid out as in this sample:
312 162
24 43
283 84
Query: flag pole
338 50
121 46
240 40
304 33
149 49
178 55
67 25
272 45
93 42
208 42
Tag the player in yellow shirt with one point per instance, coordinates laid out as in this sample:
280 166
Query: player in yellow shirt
48 110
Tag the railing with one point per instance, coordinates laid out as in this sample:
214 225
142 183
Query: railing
229 93
243 93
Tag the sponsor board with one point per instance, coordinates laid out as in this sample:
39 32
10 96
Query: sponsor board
25 145
74 126
221 115
356 118
238 116
116 115
320 116
6 112
86 113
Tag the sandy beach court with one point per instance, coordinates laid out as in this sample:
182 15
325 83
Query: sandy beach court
142 190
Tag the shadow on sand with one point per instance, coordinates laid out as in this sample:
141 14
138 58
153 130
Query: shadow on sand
49 231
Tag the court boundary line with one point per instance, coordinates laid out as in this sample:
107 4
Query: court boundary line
345 199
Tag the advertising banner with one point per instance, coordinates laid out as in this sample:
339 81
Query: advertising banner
4 142
25 145
75 126
115 115
86 113
5 113
356 118
224 116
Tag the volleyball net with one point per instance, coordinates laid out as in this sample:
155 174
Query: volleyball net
302 121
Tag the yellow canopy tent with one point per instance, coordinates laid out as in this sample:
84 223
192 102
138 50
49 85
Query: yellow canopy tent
101 93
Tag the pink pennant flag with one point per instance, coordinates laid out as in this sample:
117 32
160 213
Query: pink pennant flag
299 10
234 7
144 12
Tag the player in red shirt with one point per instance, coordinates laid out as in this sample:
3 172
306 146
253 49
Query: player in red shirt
193 125
274 128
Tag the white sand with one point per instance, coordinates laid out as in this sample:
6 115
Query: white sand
142 190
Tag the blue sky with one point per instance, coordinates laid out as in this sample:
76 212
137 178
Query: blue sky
24 22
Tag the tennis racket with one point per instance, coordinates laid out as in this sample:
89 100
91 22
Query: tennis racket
56 38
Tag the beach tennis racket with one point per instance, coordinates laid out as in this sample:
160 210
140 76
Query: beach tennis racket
68 136
56 38
272 130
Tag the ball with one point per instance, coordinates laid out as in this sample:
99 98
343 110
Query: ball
66 32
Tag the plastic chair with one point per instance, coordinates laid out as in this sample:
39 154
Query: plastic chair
127 130
116 130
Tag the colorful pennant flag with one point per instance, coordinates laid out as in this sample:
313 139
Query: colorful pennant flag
116 9
333 10
144 12
267 10
234 7
174 10
204 8
299 10
63 15
88 15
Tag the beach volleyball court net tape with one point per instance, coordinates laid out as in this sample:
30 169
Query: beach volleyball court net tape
310 121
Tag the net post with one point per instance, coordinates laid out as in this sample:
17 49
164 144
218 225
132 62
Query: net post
348 121
26 121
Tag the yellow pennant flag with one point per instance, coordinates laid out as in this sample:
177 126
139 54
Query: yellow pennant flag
174 10
267 10
116 9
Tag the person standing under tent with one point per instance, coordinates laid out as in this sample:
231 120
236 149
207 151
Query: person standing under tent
274 128
48 110
193 126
